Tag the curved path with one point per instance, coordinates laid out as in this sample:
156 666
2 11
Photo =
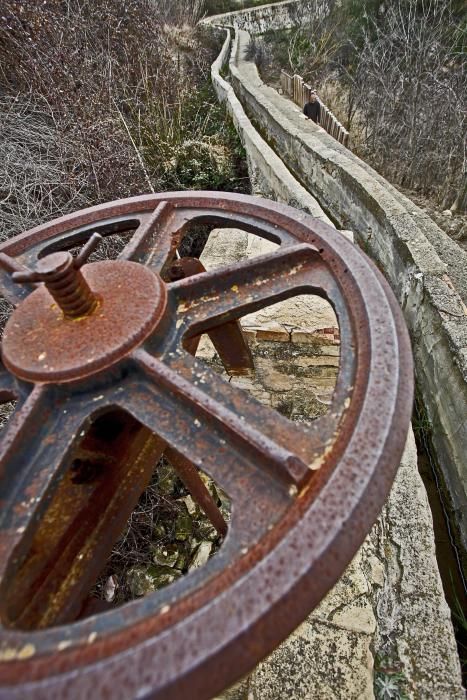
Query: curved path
403 241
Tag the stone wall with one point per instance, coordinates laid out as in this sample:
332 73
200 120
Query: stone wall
407 246
280 15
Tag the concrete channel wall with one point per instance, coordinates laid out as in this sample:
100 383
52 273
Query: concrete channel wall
389 604
269 175
406 245
386 619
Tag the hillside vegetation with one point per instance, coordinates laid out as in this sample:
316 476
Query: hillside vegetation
105 100
395 74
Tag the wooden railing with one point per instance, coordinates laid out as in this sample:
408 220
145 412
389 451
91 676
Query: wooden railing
295 87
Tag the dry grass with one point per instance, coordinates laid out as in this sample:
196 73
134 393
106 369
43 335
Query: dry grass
101 101
39 178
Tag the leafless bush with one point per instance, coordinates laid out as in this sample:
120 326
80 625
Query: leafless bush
185 139
308 49
411 87
66 65
315 41
180 12
395 75
39 178
101 101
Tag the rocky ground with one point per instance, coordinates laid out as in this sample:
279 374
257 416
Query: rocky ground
166 537
454 225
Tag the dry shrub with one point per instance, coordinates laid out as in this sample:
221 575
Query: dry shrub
410 89
180 12
64 66
39 178
90 91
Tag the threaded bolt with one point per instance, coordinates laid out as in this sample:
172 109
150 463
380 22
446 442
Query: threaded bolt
67 285
62 276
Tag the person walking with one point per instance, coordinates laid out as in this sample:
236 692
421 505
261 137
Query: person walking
312 109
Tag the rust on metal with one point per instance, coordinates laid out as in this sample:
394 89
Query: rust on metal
86 514
65 283
101 395
228 338
42 344
190 477
61 276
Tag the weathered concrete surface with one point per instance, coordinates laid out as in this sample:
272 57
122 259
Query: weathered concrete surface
413 616
387 614
268 174
301 332
389 603
269 17
397 236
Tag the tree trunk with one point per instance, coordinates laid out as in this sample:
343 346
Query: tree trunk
459 205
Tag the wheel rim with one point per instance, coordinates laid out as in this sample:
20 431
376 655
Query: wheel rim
317 490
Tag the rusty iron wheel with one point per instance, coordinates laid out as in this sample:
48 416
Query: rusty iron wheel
303 497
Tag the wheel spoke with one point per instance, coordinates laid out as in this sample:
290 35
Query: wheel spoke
151 244
213 298
34 445
222 407
9 388
228 339
14 449
195 485
259 486
11 291
25 450
64 503
157 239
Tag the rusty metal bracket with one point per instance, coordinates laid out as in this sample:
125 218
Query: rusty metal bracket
228 338
97 356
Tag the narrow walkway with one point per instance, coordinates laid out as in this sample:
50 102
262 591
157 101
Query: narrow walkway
392 595
446 248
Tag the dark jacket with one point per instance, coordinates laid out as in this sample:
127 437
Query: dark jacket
312 110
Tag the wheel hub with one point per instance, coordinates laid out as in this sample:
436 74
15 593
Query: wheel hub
41 344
